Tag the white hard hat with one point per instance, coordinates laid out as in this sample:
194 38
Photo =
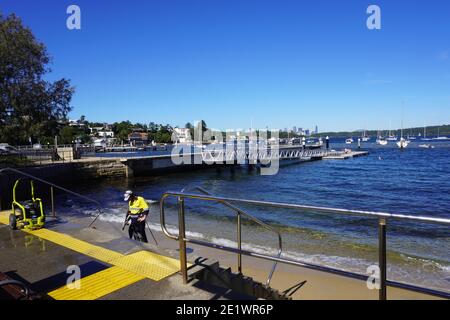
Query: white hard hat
127 195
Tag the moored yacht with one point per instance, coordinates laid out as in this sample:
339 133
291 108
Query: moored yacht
424 138
392 138
365 137
426 146
382 141
403 143
439 136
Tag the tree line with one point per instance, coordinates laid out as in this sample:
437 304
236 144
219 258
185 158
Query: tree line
30 106
34 110
443 130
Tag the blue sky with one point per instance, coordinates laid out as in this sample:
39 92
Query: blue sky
272 63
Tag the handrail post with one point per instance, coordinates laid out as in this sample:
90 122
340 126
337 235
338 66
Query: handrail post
239 241
182 239
382 257
52 201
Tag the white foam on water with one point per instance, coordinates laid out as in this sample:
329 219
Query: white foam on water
344 263
429 263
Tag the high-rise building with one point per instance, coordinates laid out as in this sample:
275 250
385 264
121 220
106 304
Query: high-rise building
317 129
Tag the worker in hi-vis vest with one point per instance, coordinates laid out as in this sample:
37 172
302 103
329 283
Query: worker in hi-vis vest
136 215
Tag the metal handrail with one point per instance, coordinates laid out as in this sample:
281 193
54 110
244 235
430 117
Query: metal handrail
382 216
373 214
60 188
240 212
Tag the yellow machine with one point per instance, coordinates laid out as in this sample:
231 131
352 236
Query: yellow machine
28 214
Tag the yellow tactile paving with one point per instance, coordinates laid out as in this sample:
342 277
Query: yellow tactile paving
148 264
80 246
97 285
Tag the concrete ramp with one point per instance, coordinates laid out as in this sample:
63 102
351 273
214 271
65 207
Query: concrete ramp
126 270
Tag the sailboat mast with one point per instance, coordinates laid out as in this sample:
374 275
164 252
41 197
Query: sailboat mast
403 112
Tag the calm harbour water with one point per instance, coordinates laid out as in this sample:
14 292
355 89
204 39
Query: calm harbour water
415 181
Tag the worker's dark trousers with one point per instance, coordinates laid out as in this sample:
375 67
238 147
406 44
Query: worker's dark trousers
137 229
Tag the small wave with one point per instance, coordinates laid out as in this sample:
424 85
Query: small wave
426 263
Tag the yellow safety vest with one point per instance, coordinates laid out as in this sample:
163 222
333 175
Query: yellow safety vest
137 206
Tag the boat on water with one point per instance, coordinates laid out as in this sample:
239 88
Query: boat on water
439 136
392 138
349 141
382 141
365 137
424 138
426 146
403 143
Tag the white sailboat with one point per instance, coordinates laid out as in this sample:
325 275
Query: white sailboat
425 134
391 137
439 136
403 143
381 140
365 137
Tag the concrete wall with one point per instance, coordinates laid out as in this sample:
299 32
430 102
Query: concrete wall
99 169
158 165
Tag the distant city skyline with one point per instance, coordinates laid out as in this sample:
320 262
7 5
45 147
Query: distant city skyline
237 64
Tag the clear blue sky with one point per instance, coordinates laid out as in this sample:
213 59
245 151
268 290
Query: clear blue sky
276 63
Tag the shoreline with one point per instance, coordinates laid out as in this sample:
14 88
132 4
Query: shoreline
319 285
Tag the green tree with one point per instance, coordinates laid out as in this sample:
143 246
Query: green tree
152 127
29 105
67 135
122 130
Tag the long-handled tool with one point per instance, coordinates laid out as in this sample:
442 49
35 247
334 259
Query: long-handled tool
127 218
151 232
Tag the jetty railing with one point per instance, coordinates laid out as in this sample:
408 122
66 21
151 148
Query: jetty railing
382 248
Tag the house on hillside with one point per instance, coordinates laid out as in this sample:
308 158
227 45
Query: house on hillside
138 137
